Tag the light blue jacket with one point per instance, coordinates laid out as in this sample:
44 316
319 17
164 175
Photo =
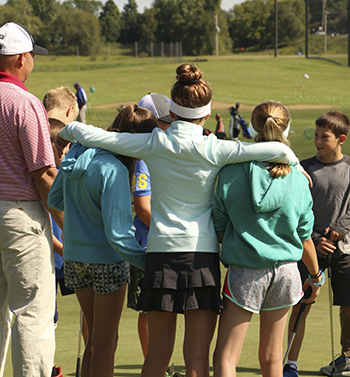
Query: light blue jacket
183 165
92 188
264 220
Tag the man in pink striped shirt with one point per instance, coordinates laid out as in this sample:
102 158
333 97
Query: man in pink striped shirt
27 170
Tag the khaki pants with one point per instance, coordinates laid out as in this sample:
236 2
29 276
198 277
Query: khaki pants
82 114
27 288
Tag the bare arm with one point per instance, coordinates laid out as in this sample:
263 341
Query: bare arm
310 259
142 206
57 245
43 179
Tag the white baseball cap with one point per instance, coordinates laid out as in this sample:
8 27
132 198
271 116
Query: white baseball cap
159 104
15 39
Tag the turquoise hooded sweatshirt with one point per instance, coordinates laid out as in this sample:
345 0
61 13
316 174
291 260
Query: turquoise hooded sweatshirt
92 188
264 220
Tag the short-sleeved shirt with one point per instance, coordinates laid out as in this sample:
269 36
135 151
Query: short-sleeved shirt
25 140
141 186
81 96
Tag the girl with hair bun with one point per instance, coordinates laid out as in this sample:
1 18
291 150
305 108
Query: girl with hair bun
264 234
182 273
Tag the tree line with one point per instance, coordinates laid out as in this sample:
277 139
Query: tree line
89 24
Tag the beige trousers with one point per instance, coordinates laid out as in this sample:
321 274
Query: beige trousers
27 288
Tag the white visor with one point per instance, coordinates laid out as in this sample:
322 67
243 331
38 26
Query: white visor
188 112
254 133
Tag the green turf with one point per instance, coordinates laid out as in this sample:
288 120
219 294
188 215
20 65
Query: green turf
248 80
315 352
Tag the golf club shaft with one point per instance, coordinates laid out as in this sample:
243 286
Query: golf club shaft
295 329
77 371
330 301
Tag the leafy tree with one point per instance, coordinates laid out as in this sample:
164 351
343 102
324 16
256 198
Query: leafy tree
75 28
21 12
130 23
249 25
46 10
337 15
148 25
91 6
253 23
291 21
169 20
189 21
110 21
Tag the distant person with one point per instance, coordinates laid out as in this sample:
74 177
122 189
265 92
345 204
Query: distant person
220 128
330 173
93 189
182 274
27 170
263 215
141 186
82 102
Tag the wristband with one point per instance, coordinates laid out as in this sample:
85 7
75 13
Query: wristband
317 275
320 283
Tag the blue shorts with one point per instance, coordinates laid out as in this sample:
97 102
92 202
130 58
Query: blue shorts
269 288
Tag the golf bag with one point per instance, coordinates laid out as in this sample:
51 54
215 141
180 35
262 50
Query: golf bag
236 123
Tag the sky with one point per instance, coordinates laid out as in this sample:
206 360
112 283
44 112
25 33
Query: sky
225 4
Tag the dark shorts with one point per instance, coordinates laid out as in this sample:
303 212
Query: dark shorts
340 278
177 282
60 282
103 278
134 287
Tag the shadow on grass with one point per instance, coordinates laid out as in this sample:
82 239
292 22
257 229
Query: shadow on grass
136 367
248 370
309 373
135 370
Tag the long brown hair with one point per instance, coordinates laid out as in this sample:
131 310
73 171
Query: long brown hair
133 119
270 119
190 90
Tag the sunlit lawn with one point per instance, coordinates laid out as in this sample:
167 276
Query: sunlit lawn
248 80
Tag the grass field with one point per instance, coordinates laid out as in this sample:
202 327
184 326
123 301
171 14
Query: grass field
245 79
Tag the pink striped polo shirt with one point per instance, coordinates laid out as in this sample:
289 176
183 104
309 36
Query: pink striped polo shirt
25 144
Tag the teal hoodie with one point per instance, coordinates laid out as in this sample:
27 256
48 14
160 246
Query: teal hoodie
92 188
264 220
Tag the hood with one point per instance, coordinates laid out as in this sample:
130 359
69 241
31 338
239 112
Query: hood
268 194
78 159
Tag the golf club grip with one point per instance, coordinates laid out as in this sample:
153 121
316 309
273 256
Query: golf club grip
77 371
299 317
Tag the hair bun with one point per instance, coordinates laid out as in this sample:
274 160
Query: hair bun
188 74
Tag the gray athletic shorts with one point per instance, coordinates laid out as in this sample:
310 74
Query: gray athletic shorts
263 289
103 278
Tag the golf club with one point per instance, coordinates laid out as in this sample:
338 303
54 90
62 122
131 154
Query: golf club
78 368
330 301
295 329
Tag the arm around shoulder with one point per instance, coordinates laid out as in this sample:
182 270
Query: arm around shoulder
270 151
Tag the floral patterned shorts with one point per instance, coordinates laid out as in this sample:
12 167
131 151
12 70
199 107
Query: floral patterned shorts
263 289
103 278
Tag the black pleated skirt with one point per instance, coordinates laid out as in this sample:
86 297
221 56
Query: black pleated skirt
177 282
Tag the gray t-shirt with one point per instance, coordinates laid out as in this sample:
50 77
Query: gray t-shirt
331 195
